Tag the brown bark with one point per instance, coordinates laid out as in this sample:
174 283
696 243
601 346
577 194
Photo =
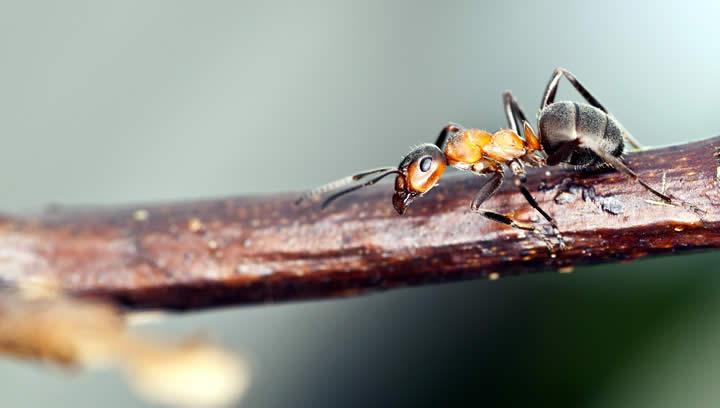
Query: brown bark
265 249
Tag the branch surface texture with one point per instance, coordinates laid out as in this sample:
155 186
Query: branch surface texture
264 249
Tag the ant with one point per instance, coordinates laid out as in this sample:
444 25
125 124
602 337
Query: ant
583 135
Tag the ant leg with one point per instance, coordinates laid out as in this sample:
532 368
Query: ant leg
551 90
447 131
504 219
487 190
618 165
490 187
513 112
552 86
563 153
520 178
519 124
632 141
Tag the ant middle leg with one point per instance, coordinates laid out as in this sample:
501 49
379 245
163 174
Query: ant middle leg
520 179
551 91
518 121
513 112
490 187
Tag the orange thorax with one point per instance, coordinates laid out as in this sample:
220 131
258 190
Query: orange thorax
473 146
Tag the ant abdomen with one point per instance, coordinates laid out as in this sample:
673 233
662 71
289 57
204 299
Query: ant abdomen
593 129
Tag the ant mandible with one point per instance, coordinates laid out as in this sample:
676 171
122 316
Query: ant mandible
584 135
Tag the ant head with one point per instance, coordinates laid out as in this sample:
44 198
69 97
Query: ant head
417 173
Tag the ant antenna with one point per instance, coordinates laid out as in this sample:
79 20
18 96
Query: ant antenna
334 185
351 189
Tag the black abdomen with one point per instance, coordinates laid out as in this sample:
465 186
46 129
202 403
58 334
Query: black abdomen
563 122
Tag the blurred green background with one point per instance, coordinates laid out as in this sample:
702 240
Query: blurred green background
154 100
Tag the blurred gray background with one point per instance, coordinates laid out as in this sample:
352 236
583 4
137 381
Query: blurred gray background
138 101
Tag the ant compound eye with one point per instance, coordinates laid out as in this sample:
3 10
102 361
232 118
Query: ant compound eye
425 164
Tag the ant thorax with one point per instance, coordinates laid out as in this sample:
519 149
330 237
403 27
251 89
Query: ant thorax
482 152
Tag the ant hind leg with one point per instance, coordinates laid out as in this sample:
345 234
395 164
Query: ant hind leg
619 165
552 86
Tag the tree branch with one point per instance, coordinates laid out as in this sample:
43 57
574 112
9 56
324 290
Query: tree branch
265 249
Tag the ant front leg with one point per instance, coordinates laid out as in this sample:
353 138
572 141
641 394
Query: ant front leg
449 130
